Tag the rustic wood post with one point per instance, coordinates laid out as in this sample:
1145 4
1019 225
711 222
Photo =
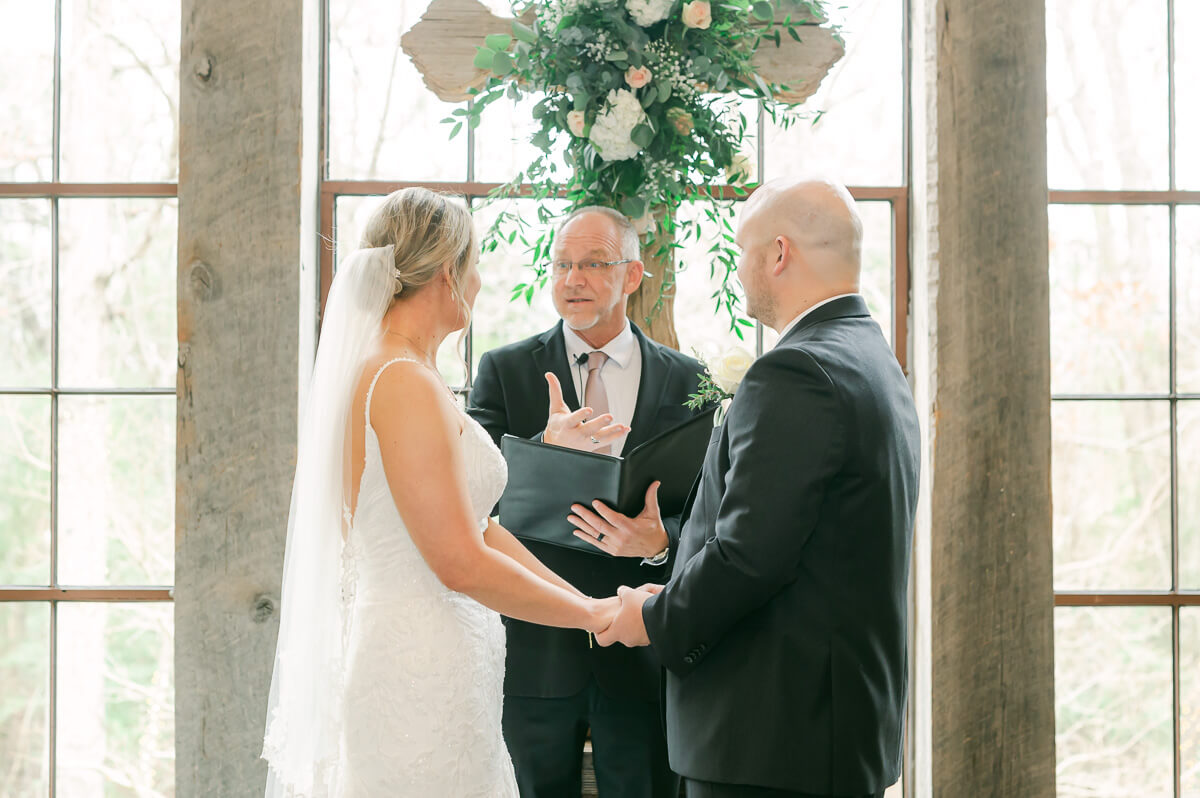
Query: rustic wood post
247 302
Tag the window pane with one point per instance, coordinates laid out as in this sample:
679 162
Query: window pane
1112 508
1187 297
116 694
116 490
859 139
24 490
1187 96
117 275
25 295
26 91
120 90
1189 705
1188 448
383 121
1109 321
1106 82
499 319
877 267
1112 680
702 324
24 701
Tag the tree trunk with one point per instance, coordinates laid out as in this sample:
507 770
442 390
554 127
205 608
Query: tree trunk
652 306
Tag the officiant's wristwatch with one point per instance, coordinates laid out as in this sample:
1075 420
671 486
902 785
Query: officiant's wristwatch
658 559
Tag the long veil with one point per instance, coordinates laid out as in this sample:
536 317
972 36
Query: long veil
303 731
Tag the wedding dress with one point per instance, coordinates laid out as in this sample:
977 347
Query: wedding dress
424 665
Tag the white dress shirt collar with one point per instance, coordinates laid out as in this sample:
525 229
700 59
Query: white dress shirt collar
791 324
619 349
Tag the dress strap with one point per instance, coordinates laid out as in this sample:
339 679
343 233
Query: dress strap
378 374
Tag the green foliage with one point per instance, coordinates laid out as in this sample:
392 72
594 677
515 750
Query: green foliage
587 62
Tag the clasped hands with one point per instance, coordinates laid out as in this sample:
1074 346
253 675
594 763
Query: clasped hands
627 626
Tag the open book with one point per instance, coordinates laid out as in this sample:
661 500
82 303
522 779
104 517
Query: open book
545 480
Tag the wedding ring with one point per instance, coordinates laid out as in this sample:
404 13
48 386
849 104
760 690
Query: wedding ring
599 537
595 439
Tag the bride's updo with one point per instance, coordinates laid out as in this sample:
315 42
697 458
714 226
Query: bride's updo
426 230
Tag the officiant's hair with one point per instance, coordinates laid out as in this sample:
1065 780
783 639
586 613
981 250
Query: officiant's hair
425 230
631 247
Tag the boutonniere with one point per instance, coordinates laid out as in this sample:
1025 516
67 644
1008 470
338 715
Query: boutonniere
720 382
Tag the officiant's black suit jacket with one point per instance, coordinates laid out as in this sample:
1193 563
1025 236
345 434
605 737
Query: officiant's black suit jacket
783 626
510 396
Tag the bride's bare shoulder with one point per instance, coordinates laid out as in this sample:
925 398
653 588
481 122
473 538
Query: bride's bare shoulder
403 383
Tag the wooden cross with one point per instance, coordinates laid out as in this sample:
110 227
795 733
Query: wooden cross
442 45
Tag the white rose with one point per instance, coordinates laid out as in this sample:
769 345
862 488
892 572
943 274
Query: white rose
697 14
729 369
646 12
575 122
611 130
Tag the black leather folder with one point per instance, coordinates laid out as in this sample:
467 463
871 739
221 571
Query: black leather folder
545 480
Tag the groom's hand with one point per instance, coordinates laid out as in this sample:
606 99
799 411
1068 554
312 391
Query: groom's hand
628 627
643 535
574 430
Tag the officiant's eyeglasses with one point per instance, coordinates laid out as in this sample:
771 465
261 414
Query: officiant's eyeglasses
561 268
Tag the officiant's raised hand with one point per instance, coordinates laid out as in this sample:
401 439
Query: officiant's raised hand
577 430
628 628
643 535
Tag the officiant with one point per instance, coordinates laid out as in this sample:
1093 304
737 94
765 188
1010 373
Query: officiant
558 685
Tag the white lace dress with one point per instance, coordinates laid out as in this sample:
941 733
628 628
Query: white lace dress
425 665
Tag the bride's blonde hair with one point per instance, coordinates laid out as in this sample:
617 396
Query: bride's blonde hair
426 230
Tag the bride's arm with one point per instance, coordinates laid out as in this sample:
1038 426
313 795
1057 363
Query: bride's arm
420 440
501 539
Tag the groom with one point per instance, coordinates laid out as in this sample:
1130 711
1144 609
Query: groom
557 686
783 626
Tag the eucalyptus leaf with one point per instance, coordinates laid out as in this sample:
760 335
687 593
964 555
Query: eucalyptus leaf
501 64
483 58
642 135
524 32
497 41
633 207
762 11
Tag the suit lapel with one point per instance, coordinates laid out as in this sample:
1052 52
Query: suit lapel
652 385
552 356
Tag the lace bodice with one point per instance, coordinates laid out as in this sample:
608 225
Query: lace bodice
425 665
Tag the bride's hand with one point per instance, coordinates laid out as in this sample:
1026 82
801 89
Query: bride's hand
601 613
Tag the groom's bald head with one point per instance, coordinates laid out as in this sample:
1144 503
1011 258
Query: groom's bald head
802 242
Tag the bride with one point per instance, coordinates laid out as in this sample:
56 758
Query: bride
390 658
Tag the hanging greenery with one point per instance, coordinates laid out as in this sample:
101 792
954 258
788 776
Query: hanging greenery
641 99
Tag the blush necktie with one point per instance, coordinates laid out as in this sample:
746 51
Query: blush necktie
594 395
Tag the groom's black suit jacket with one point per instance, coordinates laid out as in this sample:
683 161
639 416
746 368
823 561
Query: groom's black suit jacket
783 627
510 396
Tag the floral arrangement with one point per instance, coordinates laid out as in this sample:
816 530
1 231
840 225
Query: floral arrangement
640 97
720 381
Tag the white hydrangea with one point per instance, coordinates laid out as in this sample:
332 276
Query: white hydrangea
611 130
646 12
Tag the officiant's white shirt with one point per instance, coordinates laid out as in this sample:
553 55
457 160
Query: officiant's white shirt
788 328
622 373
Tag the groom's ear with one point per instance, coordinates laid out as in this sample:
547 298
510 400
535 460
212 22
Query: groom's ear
783 255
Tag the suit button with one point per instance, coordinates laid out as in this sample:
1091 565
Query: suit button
689 659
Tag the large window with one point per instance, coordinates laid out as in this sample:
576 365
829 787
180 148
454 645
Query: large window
382 131
1125 332
88 153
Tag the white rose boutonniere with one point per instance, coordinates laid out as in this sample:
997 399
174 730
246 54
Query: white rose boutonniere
721 380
